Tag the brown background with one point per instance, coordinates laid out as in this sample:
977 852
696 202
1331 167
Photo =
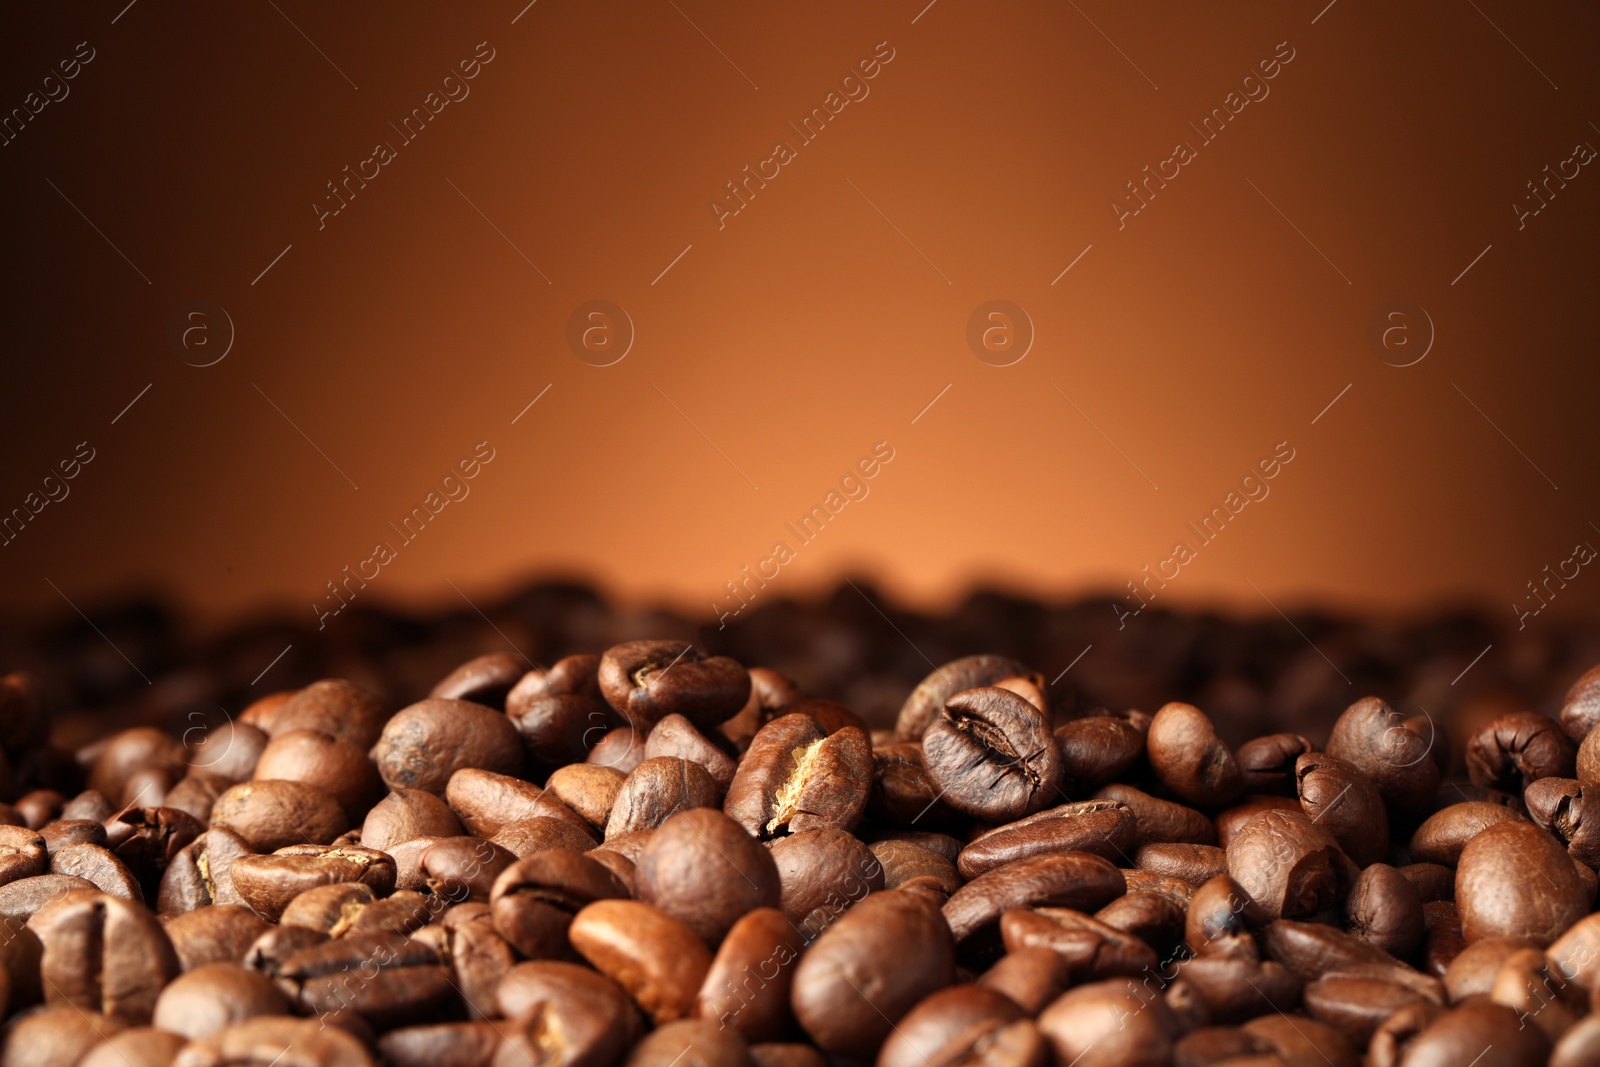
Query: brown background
821 319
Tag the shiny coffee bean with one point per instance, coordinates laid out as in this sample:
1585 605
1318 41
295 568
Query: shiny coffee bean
676 736
927 701
1397 758
267 883
1110 1024
483 679
563 1014
795 776
659 961
105 954
1095 751
385 978
338 768
1157 820
276 1041
270 815
1516 749
406 814
902 861
648 680
1384 909
747 988
1345 803
656 790
1100 827
703 869
959 1024
458 869
1267 763
1289 866
201 873
1515 880
214 996
823 872
338 708
217 933
1063 879
1092 949
488 802
993 755
424 744
1195 864
1190 759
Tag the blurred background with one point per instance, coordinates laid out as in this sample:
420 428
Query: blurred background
1068 279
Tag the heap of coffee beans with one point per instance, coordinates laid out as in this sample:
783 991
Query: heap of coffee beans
660 857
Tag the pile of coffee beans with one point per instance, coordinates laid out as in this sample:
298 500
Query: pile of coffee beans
658 856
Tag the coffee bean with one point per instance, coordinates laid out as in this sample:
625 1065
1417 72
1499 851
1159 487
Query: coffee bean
1092 949
1385 910
1100 827
649 680
1298 1040
658 789
385 978
201 873
1289 866
1432 881
1513 750
821 873
141 1046
338 708
1491 1033
588 790
54 1037
621 749
701 868
1528 985
795 777
99 866
1061 879
927 701
901 861
102 953
1190 759
196 794
1221 918
902 793
1356 1004
1237 988
338 768
1576 953
958 1024
748 985
229 751
89 804
424 744
1157 820
1096 750
406 814
483 680
559 728
1116 1023
464 868
1155 919
131 751
1540 903
488 802
1473 971
470 1044
280 1040
22 853
214 996
692 1043
80 832
565 1015
1230 820
147 839
217 933
1342 801
269 815
869 968
1379 742
993 755
25 896
1443 835
267 883
1195 864
476 956
539 832
1444 940
1580 710
1580 1045
676 736
1031 977
1267 763
659 961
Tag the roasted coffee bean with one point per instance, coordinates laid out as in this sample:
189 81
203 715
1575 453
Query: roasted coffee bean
1342 801
470 1044
1580 711
649 680
1060 879
483 679
267 883
869 968
1313 949
104 954
424 744
1155 919
1116 1023
202 873
1443 835
1472 972
1095 751
126 753
797 777
693 1043
588 790
676 736
1576 953
927 701
229 750
338 708
328 907
1385 910
1379 742
1516 749
385 978
406 814
993 755
1190 759
488 802
1515 880
1221 917
621 749
1432 881
1230 820
1100 827
748 986
659 961
902 861
1444 940
1490 1034
477 957
831 715
196 794
533 901
1032 977
276 1041
569 676
1157 820
821 873
1195 864
141 1046
458 869
955 1025
1289 866
702 868
558 728
658 789
77 832
89 804
1561 806
1356 1004
147 839
99 866
1580 1046
563 1015
338 768
54 1037
269 815
217 933
1528 985
22 853
214 996
540 832
25 896
1302 1042
1236 988
1268 763
1092 949
902 793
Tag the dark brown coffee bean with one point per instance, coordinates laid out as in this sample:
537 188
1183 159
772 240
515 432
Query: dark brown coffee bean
676 736
1195 864
1444 940
831 715
1356 1005
559 728
902 861
1340 799
340 709
563 1015
1229 820
99 866
89 804
902 793
147 839
476 956
538 833
659 961
869 968
1095 751
993 755
1432 881
126 753
1157 820
338 768
229 750
658 789
1302 1042
104 954
692 1043
954 1025
1313 950
1221 917
1110 1024
1519 748
1588 760
267 883
1540 902
1580 711
407 814
649 680
821 873
140 1046
202 873
470 1044
269 815
1032 977
1528 985
1235 988
927 701
1384 909
1445 833
217 933
328 907
383 977
424 744
487 802
214 996
196 794
1377 740
1092 949
458 869
588 790
1100 827
54 1037
25 896
1560 806
621 749
533 901
86 832
1061 879
1190 759
701 868
276 1041
748 986
1154 919
1267 763
23 853
943 844
797 777
483 679
1289 866
1490 1034
1473 971
1213 1044
569 676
